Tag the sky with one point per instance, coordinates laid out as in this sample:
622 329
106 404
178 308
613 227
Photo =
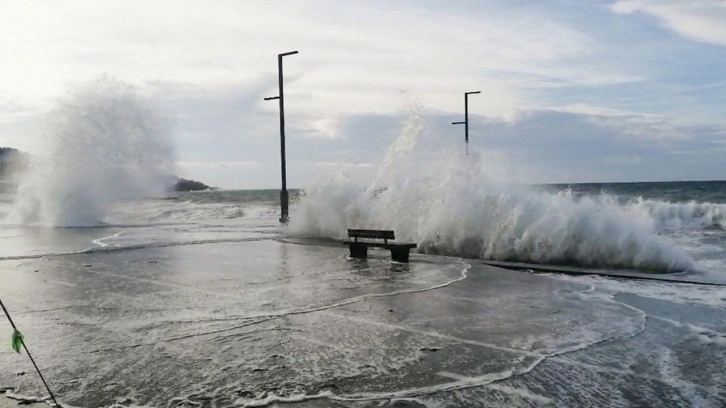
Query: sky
572 91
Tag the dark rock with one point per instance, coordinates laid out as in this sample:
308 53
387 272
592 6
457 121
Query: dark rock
190 185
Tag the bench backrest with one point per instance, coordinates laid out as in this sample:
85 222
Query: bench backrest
364 233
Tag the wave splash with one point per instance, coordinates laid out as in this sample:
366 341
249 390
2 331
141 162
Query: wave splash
667 217
103 144
446 202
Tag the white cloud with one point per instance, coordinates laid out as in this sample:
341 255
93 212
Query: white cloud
353 56
624 159
698 20
326 128
210 165
592 110
641 125
11 111
343 164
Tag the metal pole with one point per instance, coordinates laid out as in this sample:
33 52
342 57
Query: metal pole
284 198
283 167
466 118
32 360
466 121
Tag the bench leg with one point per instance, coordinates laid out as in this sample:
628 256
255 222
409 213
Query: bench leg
400 254
358 250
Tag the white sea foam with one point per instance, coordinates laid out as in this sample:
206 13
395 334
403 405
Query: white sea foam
448 204
269 399
665 216
155 211
712 296
103 143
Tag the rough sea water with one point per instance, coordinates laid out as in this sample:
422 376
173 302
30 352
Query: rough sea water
129 298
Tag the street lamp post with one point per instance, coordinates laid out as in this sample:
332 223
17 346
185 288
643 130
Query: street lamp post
466 118
284 199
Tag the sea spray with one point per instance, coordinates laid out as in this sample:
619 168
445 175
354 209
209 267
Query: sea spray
445 201
102 144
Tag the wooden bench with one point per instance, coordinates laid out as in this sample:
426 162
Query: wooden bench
359 249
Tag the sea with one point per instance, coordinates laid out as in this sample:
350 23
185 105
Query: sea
131 296
656 227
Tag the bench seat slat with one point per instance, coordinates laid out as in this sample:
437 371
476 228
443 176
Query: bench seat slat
375 234
383 245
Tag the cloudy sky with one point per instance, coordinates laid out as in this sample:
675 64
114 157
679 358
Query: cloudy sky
572 90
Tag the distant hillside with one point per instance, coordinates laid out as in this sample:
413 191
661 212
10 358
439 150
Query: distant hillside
12 160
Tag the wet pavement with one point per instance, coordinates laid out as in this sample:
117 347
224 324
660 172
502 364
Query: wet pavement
266 320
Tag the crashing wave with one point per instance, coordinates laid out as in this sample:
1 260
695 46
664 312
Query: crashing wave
103 144
449 205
